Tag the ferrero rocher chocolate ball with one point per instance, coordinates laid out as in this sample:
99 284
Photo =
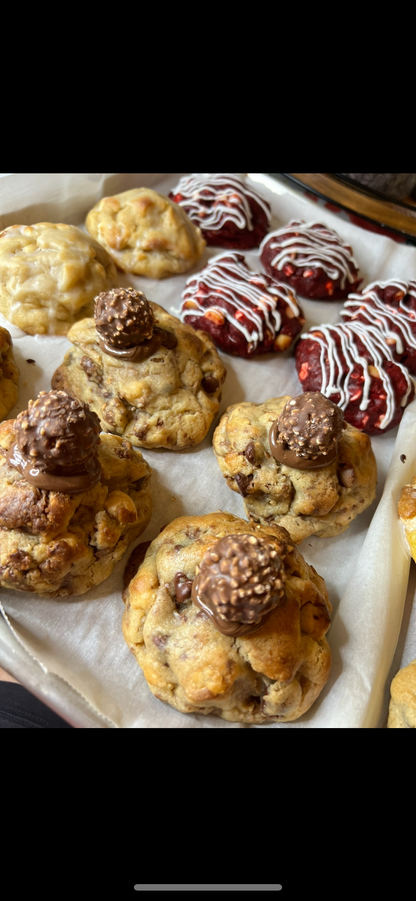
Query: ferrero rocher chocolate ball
123 317
310 424
239 580
57 432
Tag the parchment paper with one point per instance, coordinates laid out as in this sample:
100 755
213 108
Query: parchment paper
77 659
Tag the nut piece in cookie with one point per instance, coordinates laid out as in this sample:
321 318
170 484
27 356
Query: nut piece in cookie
402 707
49 276
149 377
225 617
71 500
145 233
9 374
229 212
245 312
311 258
296 463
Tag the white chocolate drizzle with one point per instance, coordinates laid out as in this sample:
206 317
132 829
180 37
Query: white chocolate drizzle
377 312
227 196
336 382
245 292
321 246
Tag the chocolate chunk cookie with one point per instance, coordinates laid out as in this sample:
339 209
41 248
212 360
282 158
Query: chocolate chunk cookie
71 500
289 471
225 616
149 377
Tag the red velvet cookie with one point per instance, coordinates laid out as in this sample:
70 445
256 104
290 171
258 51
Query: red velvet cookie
246 313
352 365
312 259
390 305
228 211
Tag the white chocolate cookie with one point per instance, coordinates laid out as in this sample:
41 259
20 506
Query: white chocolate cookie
49 276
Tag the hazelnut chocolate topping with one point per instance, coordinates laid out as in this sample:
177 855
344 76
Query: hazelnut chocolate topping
126 325
56 442
308 431
238 582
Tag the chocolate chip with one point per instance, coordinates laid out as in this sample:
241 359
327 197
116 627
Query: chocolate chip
243 482
160 641
210 384
183 587
403 458
250 452
30 361
92 371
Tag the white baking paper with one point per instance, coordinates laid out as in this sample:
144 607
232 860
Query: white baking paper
71 651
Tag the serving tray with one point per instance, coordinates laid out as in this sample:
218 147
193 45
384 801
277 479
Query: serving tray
70 651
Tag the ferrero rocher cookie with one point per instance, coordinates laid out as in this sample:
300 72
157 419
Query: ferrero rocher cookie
149 377
9 374
49 276
225 616
71 500
297 464
146 233
402 708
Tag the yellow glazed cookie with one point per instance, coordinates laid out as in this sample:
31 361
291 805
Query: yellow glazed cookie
149 377
146 233
225 616
9 374
297 464
49 276
71 501
402 709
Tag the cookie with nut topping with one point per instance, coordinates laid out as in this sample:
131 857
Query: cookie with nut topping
149 377
71 499
296 463
226 617
146 233
246 313
49 275
9 374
